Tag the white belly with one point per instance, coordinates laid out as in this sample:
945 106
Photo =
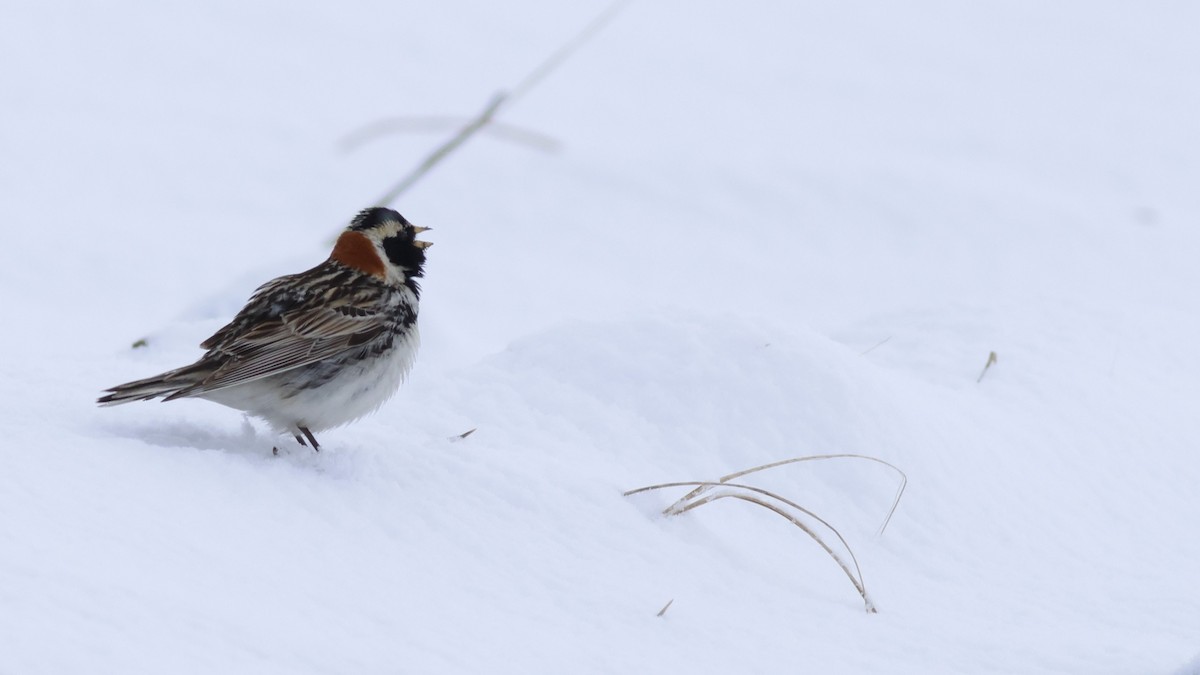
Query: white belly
358 390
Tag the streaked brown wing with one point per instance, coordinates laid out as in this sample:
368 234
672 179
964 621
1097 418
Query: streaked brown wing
318 328
267 353
274 292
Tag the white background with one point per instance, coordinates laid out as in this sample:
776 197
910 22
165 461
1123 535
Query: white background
771 230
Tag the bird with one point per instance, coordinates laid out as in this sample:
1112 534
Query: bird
318 349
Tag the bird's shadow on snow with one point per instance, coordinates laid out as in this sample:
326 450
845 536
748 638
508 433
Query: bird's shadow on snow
248 441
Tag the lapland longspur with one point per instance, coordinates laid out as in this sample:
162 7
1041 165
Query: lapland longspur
318 349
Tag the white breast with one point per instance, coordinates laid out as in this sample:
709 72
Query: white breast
358 390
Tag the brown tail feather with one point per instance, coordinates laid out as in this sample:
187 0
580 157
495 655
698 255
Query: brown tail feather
168 385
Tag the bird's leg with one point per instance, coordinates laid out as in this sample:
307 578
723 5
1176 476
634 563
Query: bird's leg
311 439
300 440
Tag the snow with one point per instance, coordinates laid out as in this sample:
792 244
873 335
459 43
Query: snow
772 230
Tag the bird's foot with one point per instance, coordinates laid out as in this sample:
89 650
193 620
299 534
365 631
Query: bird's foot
311 439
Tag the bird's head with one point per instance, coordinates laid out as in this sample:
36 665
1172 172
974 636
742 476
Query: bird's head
380 242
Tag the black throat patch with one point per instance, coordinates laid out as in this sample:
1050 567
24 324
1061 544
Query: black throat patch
407 256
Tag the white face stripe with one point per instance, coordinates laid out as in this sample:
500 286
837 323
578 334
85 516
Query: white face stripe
389 228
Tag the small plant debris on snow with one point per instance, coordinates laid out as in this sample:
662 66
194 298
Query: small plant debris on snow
458 437
876 346
990 360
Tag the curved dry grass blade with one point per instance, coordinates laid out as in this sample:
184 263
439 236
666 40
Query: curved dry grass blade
856 577
738 474
711 497
648 488
675 509
819 519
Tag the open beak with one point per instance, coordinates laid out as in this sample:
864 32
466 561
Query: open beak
421 244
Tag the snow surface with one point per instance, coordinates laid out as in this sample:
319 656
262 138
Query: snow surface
772 230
